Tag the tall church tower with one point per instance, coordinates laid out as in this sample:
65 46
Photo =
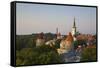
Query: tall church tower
74 28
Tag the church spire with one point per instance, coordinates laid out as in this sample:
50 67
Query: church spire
74 28
74 25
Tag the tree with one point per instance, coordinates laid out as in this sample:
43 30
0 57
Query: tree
75 43
89 54
38 55
57 43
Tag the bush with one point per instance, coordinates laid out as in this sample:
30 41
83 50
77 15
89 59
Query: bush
39 55
89 54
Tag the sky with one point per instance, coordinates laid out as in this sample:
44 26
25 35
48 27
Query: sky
36 18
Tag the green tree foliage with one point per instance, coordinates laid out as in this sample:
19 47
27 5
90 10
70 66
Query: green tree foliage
75 43
25 41
49 36
38 55
89 54
29 41
57 43
81 42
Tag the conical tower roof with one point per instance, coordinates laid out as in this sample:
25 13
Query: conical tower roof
74 24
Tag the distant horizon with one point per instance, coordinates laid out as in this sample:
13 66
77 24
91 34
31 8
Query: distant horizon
37 18
51 33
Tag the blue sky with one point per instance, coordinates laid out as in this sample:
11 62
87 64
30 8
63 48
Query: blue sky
36 18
